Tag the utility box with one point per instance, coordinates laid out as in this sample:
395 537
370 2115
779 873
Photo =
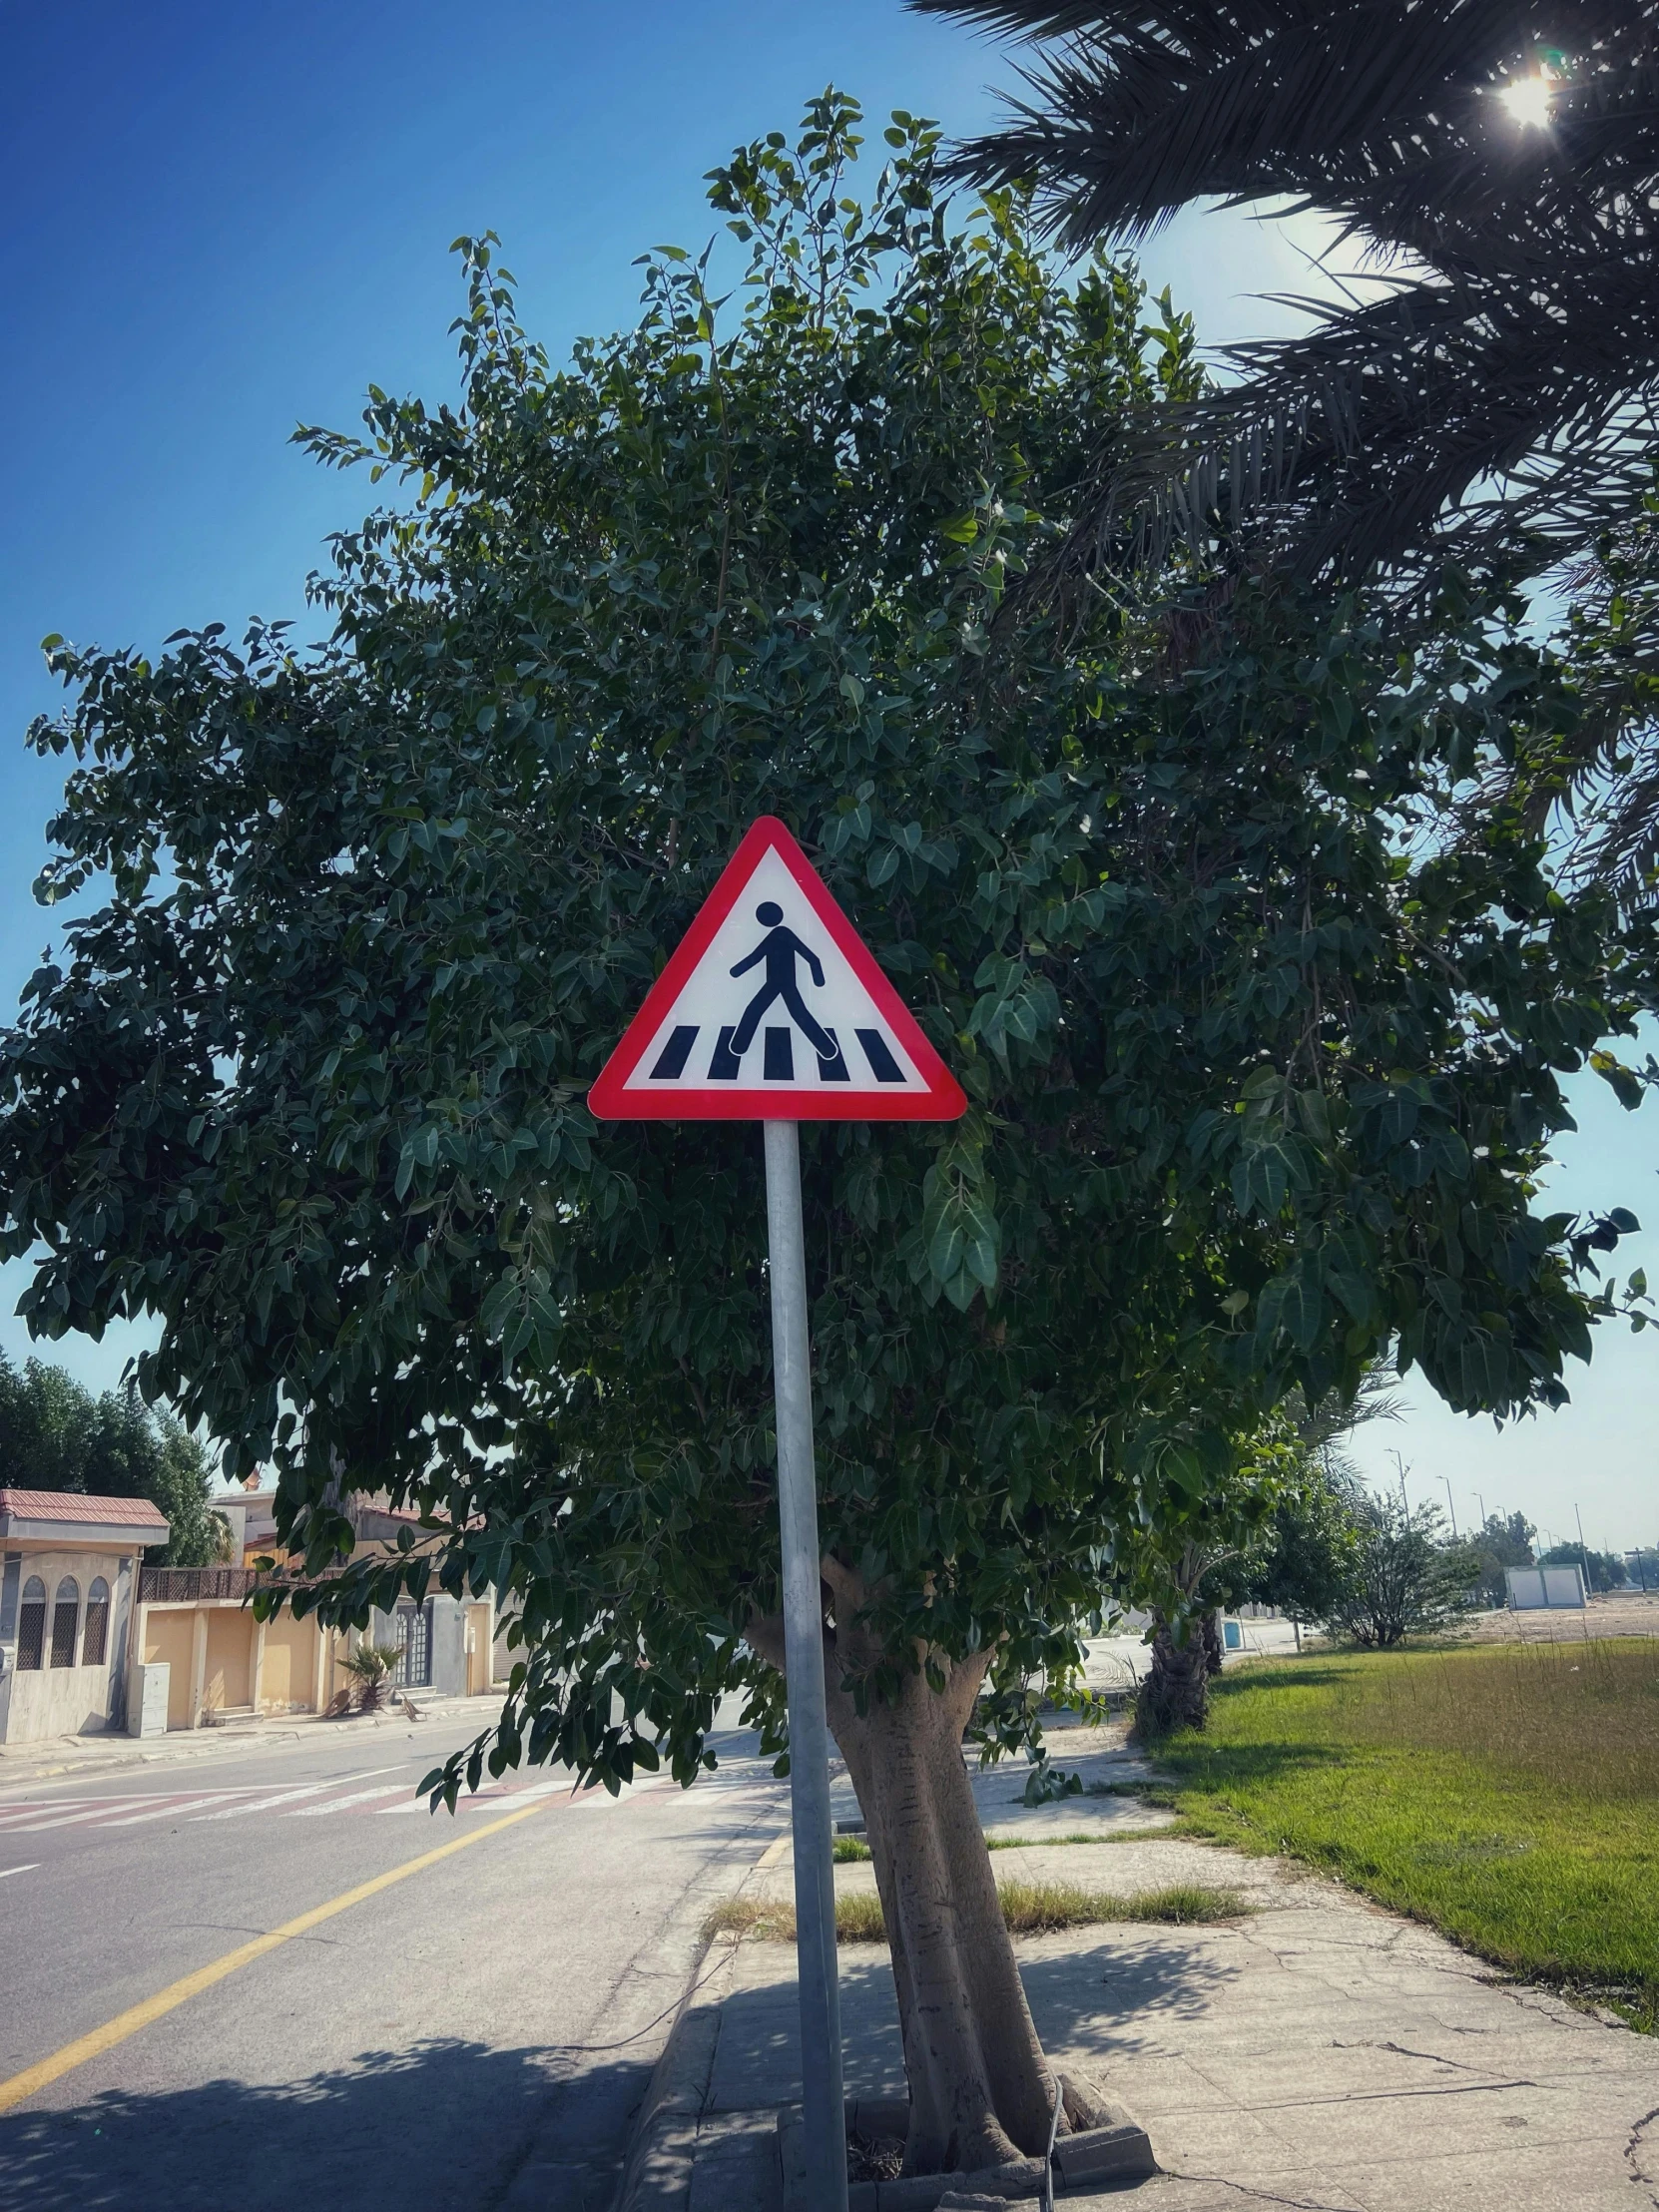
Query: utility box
149 1714
1533 1589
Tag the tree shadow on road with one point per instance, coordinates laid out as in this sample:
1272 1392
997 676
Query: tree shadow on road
444 2126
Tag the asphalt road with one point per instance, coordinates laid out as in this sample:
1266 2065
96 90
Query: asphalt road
476 2035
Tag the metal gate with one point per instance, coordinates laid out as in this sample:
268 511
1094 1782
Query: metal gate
414 1669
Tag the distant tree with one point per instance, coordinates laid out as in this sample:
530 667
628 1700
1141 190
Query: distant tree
1307 1555
1602 1570
1304 1551
55 1436
1404 1577
1178 1571
1643 1567
1500 1542
1277 1530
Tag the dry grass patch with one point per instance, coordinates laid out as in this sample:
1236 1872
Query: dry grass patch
1103 1836
1029 1908
853 1850
1042 1908
858 1919
771 1921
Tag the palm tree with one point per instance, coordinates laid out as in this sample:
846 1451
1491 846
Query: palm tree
1499 398
370 1667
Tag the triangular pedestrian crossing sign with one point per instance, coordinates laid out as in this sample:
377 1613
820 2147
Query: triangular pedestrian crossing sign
772 1008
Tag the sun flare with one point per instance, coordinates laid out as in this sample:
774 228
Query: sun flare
1529 100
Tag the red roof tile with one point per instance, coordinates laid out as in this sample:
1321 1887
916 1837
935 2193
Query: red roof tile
71 1506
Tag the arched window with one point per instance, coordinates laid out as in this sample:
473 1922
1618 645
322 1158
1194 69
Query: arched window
31 1624
95 1637
66 1619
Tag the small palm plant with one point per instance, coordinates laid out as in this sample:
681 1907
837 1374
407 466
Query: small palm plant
370 1667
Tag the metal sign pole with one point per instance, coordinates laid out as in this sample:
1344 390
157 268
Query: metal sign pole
822 2114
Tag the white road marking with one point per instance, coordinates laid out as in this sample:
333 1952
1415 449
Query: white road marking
482 1797
291 1797
4 1871
102 1811
35 1808
64 1820
338 1805
186 1805
109 1812
557 1787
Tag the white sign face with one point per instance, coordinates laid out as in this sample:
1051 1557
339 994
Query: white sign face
774 1003
771 1005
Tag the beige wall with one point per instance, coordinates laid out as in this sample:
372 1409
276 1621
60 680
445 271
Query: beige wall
479 1640
219 1657
169 1636
288 1674
228 1679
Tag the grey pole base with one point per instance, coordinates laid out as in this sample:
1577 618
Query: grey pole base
822 2119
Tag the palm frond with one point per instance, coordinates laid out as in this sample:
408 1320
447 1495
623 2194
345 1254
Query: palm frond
1497 400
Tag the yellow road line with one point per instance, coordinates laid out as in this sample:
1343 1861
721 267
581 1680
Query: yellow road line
35 2079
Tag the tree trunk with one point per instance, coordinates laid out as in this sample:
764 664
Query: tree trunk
1175 1691
980 2091
1210 1621
980 2088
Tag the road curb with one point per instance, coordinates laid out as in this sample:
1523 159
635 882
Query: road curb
658 2174
111 1762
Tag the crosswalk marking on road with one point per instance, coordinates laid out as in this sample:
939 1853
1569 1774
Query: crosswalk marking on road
64 1820
496 1793
338 1805
165 1812
32 1807
304 1801
291 1797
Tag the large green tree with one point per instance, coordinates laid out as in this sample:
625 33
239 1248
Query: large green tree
56 1435
1260 1064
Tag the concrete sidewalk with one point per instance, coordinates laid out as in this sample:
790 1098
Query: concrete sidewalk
1315 2051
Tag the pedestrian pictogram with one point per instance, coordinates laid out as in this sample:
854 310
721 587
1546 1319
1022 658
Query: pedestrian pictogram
780 948
772 1008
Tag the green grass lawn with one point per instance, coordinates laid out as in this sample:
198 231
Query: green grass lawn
1508 1796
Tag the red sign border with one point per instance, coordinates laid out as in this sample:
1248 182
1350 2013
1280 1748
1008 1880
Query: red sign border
943 1099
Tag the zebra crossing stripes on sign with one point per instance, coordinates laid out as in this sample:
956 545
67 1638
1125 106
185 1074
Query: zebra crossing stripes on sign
773 1008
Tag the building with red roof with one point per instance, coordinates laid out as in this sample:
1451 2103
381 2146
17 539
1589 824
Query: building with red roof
69 1573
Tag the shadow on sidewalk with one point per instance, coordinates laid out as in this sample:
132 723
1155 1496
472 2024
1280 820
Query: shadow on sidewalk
1102 1999
1105 1998
444 2126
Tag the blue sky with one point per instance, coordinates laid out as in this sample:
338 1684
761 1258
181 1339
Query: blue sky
222 221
